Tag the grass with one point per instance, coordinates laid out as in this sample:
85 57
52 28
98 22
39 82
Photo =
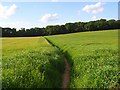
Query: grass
93 57
31 63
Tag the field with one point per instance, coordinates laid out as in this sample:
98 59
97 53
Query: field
93 57
30 63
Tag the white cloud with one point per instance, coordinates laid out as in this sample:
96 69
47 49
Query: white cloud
49 17
7 11
94 18
94 8
54 0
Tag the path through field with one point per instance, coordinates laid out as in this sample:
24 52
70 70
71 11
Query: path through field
66 76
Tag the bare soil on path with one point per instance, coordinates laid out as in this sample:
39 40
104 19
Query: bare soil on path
66 75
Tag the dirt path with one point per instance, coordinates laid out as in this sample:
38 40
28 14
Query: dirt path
66 76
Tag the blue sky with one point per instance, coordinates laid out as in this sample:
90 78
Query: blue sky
41 14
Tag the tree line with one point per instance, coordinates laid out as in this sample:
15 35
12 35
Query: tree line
97 25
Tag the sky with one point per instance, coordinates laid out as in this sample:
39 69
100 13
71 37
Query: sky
40 14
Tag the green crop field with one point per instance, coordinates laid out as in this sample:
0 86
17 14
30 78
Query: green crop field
93 57
30 63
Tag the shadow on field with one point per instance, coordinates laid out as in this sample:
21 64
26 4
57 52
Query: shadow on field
53 71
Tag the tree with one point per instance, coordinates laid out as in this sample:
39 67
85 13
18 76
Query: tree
118 24
8 32
21 32
101 24
91 26
112 24
70 27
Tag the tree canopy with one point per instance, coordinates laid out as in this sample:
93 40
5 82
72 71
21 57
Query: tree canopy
101 24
